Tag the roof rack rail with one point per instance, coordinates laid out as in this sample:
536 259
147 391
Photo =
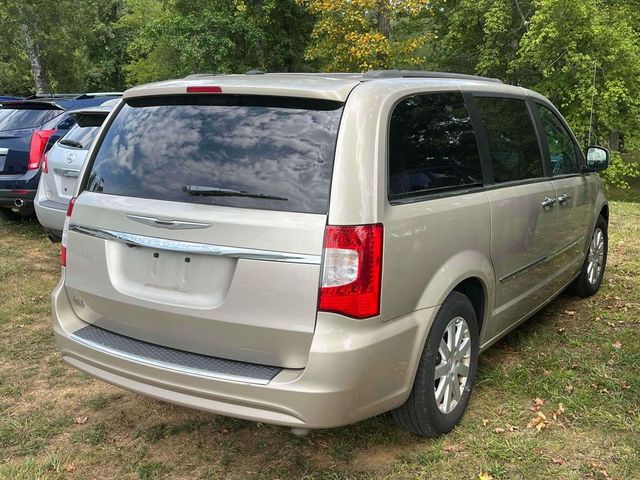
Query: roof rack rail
205 74
379 74
98 94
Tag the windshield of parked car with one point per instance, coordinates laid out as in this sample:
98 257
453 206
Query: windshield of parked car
17 118
270 147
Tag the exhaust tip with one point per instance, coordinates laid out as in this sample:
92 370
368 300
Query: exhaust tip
18 202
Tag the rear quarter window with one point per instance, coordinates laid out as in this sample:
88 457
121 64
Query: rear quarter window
513 143
274 146
432 146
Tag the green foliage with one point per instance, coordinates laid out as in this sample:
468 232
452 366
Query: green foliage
620 172
180 37
552 46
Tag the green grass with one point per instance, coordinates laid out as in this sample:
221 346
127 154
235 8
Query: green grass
581 353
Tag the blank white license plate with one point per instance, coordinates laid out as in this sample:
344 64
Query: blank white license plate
68 185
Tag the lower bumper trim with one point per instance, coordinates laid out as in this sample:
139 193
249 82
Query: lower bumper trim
173 359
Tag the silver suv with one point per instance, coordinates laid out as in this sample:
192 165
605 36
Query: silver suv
314 249
61 166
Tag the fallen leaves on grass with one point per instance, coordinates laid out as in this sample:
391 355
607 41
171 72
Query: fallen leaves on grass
71 468
538 422
599 467
454 447
558 461
537 404
484 476
81 420
509 428
617 345
559 412
541 420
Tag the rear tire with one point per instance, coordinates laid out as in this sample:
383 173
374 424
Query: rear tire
434 406
592 272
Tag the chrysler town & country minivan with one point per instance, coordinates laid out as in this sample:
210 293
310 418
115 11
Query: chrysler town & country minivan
311 250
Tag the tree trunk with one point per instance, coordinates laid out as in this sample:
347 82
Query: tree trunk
615 141
384 25
35 59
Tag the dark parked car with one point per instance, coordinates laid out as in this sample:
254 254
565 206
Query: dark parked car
6 99
27 129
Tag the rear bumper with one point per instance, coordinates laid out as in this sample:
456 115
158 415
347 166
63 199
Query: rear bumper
17 192
18 200
51 215
356 369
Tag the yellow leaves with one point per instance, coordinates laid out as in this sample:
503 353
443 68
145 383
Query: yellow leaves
348 36
541 420
600 468
484 476
538 422
536 404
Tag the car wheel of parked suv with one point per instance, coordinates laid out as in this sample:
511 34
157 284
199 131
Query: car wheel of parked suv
446 372
590 278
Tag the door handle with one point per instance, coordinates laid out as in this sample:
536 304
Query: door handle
564 198
548 202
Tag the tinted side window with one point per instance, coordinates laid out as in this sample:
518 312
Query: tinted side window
432 145
514 148
562 150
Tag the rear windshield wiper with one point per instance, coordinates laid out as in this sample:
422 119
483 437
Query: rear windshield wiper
226 192
70 143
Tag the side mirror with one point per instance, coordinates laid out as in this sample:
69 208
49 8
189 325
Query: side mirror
597 159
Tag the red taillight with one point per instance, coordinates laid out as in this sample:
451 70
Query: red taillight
65 232
352 270
204 89
39 140
45 166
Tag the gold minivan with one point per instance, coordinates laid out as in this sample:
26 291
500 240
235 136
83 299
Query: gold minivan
311 250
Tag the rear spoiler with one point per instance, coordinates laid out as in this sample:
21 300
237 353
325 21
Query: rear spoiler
91 116
32 105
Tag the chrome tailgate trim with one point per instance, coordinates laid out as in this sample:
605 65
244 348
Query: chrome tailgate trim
134 240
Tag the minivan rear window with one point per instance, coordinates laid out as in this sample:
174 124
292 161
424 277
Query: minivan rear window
18 118
244 151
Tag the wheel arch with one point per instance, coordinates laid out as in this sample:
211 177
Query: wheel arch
604 212
469 272
475 290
